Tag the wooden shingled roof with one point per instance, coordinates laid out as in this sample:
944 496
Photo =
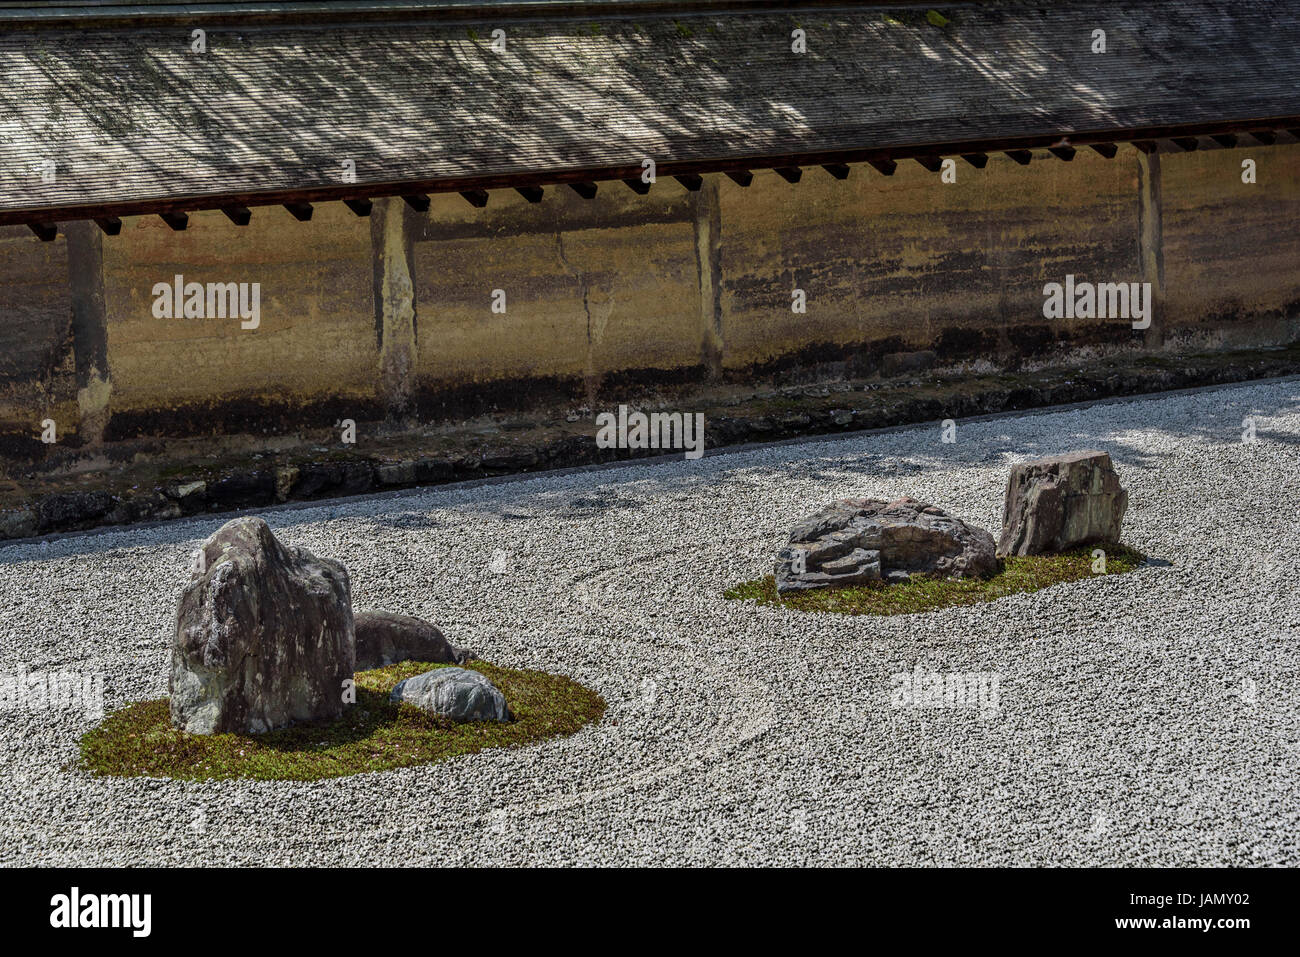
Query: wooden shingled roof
136 122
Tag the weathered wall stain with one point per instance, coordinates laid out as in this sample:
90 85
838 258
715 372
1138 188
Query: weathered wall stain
605 296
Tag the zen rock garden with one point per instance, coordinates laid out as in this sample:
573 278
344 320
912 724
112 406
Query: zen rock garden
266 640
265 637
823 724
1052 505
274 677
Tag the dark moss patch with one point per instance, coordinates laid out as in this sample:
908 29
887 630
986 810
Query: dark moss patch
1021 574
374 735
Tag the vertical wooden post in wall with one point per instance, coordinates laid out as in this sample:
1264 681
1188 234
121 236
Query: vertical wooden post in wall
708 260
391 237
1151 243
89 329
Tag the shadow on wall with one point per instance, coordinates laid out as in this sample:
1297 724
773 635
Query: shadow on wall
435 99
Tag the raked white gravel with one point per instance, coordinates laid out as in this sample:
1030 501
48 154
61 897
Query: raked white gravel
1143 719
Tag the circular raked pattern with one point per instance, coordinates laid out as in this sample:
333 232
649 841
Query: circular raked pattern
1141 718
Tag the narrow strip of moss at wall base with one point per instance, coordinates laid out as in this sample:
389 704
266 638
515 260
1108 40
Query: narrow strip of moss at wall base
137 489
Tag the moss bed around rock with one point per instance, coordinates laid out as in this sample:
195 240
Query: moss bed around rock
1021 574
373 735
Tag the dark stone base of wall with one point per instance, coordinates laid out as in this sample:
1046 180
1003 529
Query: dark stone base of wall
158 484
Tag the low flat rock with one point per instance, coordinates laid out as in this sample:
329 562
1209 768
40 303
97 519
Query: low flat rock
455 693
386 638
857 540
264 636
1062 502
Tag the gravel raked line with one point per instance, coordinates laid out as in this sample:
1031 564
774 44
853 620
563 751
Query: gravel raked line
1143 719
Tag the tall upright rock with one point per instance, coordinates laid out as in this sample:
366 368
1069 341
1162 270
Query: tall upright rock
264 636
1057 503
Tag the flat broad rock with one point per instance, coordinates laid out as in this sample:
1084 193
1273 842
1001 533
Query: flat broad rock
455 693
386 638
858 540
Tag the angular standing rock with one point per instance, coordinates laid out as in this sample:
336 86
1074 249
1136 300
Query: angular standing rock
857 540
1057 503
455 693
264 636
385 638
